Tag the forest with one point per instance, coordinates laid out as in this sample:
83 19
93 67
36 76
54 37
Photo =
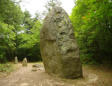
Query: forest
27 59
19 33
91 19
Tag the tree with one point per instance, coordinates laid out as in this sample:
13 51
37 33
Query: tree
19 33
50 4
7 45
30 41
92 21
11 18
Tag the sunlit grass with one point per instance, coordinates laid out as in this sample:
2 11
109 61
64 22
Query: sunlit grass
6 69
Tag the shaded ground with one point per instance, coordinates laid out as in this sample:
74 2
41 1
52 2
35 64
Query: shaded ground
27 76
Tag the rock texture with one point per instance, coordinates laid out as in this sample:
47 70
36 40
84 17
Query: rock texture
24 63
59 49
16 60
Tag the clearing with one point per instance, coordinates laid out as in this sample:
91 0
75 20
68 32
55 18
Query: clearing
27 76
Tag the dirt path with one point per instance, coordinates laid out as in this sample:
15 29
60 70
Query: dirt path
24 76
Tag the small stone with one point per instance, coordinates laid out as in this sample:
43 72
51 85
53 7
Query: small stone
24 63
36 65
16 60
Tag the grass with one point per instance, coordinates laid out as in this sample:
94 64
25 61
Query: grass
6 69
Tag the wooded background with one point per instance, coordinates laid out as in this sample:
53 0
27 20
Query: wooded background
91 19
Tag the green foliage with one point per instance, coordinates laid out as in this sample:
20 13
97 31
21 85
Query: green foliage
32 37
6 67
29 42
6 40
50 4
10 12
92 21
19 33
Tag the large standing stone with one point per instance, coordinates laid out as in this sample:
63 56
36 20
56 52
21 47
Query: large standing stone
59 49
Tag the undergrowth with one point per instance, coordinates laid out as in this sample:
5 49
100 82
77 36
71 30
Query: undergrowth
8 67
